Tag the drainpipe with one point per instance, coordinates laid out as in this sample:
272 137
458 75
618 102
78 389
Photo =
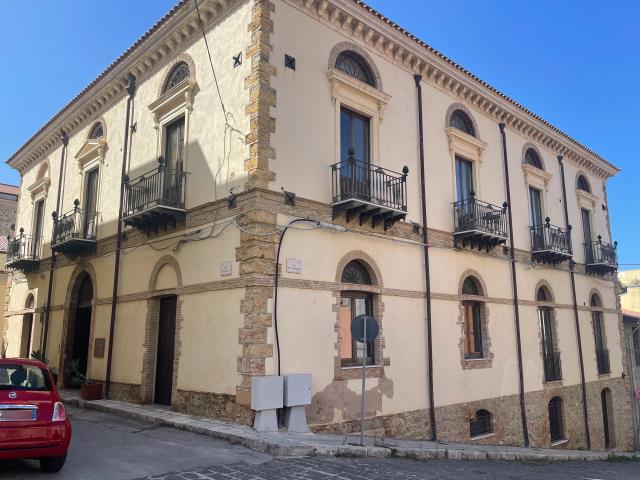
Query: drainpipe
64 138
131 89
425 249
514 283
575 311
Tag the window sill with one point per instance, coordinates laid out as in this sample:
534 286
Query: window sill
352 367
604 375
552 383
483 436
557 443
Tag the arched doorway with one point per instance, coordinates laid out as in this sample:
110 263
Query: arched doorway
79 325
607 418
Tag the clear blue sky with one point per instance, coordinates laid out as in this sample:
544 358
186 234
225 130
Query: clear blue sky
575 63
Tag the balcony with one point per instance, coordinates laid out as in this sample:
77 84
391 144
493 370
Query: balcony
368 192
23 253
550 244
74 233
600 257
552 371
602 359
479 224
155 201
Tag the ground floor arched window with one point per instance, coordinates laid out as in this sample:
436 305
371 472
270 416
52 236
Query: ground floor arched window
556 423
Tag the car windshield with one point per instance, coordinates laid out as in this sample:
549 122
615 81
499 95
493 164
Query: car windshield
23 377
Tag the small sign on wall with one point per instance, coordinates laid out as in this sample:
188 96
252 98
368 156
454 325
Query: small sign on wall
294 265
98 348
226 268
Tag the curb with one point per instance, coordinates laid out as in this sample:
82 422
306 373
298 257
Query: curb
278 449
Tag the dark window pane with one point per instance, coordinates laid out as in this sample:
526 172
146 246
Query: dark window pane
179 73
355 66
464 179
97 131
556 425
461 121
480 423
532 158
583 184
470 286
355 272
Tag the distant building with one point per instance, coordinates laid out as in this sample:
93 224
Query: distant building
8 206
630 302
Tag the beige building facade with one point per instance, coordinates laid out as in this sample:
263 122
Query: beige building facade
333 166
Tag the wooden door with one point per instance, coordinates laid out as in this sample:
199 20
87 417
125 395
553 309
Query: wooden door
166 342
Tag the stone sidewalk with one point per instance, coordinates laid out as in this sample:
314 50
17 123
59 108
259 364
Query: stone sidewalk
297 445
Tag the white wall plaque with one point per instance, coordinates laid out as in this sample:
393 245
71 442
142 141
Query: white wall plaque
226 268
294 265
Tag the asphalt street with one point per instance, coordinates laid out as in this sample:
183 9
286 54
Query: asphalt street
105 446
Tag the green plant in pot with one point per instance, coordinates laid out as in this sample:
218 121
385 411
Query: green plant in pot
89 390
37 355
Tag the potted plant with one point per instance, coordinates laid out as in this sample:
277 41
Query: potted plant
37 355
89 389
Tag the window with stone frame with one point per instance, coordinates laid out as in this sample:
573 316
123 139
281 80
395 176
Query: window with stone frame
461 121
480 424
550 351
602 354
472 320
556 421
355 66
179 74
352 304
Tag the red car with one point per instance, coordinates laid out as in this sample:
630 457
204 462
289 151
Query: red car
33 422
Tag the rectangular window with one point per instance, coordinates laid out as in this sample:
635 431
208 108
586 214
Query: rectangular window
537 232
464 179
602 354
91 204
586 232
355 154
38 220
550 356
174 160
351 351
636 345
472 330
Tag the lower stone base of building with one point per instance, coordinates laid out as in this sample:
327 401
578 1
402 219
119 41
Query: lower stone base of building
453 420
506 419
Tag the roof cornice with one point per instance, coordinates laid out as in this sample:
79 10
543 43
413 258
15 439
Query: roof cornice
362 23
175 29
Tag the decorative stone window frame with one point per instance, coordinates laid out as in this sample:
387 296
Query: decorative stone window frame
486 361
586 200
358 96
375 290
552 306
173 104
40 187
466 146
149 358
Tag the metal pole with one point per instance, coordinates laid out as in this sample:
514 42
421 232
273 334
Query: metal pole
131 89
514 283
364 367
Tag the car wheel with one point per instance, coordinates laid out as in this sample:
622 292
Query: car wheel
52 464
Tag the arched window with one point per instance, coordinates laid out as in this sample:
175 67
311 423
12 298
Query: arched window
85 292
532 158
178 75
550 352
472 320
607 418
583 184
480 423
352 304
556 423
356 272
461 121
97 131
355 66
602 354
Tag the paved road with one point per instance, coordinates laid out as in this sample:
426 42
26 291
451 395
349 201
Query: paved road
108 447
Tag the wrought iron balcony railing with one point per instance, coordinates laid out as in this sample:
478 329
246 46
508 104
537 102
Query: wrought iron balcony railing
480 223
161 187
23 252
552 371
74 231
356 180
601 257
602 359
550 243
